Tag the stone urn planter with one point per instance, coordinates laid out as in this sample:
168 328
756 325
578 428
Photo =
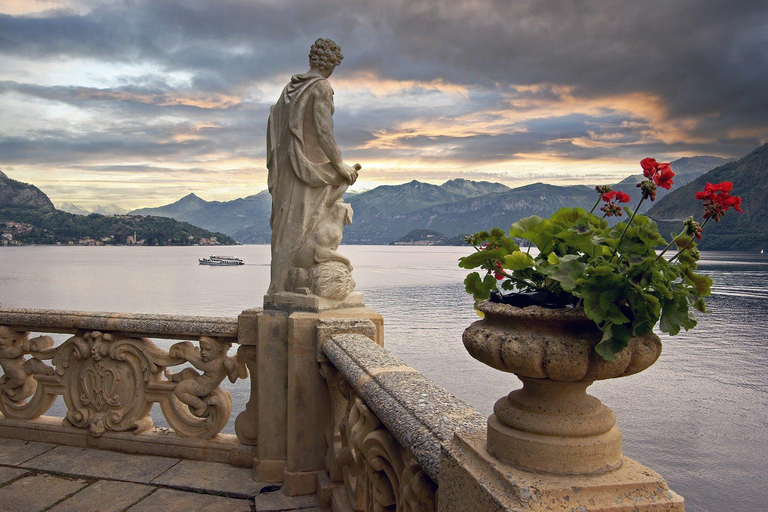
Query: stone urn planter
552 425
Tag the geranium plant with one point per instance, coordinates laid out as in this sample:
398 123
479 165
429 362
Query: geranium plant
613 272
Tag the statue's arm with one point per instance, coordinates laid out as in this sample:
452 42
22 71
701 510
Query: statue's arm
323 96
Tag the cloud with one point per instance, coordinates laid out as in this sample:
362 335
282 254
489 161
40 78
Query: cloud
440 88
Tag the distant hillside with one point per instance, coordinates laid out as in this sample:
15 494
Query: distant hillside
247 219
15 194
382 214
27 216
421 237
686 170
741 232
501 209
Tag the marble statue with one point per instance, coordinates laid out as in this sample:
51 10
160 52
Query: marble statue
307 180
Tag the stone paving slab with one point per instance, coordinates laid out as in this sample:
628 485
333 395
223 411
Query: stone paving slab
169 500
104 496
213 478
101 463
37 492
13 452
7 474
277 501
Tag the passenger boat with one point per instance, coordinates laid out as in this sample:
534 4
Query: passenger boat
221 261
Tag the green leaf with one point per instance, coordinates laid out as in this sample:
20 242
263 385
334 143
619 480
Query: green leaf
676 314
702 284
518 260
534 229
566 270
480 289
615 339
480 257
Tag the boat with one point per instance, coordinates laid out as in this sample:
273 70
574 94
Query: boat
221 261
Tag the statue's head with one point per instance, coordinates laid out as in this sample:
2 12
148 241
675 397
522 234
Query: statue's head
324 56
212 348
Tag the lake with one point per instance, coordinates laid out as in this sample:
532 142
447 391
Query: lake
699 416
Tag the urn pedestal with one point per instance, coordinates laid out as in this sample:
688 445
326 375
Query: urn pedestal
551 425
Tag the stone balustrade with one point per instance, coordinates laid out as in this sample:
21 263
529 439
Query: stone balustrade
389 424
331 412
109 373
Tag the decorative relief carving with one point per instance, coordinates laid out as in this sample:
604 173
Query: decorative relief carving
20 395
378 474
109 381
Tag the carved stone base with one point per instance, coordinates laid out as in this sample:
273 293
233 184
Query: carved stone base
288 301
472 479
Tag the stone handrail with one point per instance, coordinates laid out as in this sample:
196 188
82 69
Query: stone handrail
141 325
110 373
390 423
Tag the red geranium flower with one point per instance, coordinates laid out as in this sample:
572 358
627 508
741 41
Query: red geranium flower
608 196
664 176
717 201
622 197
649 166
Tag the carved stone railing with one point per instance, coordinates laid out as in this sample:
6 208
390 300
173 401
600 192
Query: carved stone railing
109 372
389 424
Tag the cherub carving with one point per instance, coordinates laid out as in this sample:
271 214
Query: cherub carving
17 382
211 358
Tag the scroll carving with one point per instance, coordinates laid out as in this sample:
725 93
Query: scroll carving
109 381
376 472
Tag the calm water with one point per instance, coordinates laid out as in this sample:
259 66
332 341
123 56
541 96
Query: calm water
699 416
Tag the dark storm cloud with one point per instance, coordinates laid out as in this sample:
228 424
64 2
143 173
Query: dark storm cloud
705 60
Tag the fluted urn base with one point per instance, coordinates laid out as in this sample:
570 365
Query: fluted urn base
555 427
552 425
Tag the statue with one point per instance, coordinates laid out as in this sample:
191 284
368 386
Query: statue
307 180
211 358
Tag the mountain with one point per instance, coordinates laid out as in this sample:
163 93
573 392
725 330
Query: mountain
686 170
109 209
741 232
499 209
15 194
245 219
28 216
72 208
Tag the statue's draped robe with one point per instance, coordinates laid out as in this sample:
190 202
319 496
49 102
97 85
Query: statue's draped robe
301 178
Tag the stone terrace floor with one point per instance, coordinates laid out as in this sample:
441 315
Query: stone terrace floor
36 477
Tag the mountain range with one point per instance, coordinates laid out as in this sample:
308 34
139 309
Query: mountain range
388 212
108 209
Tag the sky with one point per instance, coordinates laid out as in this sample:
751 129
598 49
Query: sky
139 102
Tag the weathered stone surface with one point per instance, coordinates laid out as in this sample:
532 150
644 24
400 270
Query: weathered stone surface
159 441
211 477
513 339
14 452
7 474
104 496
472 479
169 500
277 501
417 412
37 492
98 463
133 324
287 301
272 378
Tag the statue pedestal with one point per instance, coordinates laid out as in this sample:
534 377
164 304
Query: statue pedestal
289 301
289 409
